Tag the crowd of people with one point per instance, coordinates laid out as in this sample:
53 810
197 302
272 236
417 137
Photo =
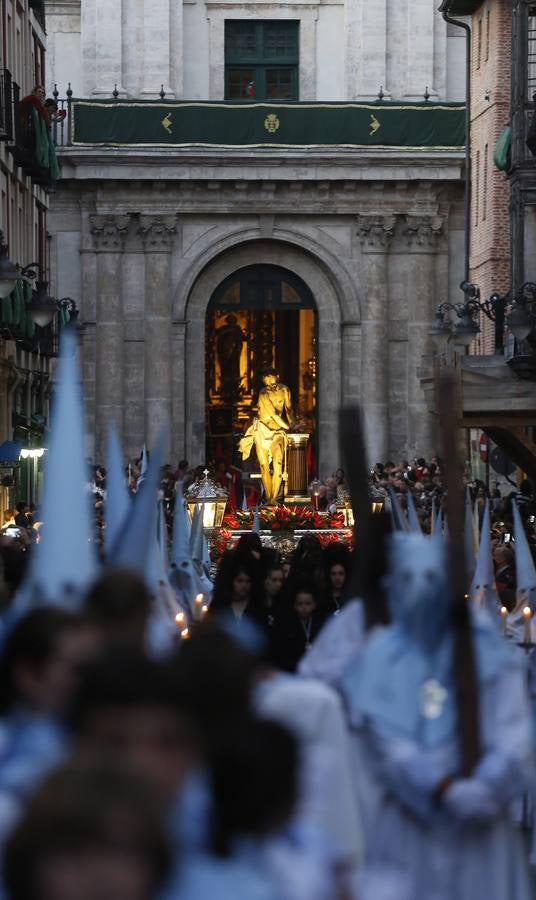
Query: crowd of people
304 739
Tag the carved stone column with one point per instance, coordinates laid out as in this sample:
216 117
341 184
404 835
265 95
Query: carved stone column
375 233
422 235
157 234
109 232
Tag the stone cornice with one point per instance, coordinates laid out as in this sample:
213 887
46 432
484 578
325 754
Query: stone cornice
109 232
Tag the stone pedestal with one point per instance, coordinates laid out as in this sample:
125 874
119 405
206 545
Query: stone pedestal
296 489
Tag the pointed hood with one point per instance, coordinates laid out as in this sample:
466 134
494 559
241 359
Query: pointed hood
433 518
144 467
117 496
525 578
180 548
256 527
196 535
438 525
483 591
64 562
399 520
137 539
469 536
413 518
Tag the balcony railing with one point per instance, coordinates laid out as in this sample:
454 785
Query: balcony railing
29 136
382 125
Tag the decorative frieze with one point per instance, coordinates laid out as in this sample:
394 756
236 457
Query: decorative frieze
157 232
109 232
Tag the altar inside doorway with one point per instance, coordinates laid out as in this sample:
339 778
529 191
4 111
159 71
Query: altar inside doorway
260 317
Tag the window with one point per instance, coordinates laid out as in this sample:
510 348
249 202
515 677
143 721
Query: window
479 44
477 186
485 185
261 60
487 33
531 53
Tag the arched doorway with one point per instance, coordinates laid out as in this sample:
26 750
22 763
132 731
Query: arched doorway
259 316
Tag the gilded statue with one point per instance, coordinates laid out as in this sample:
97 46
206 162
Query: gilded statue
268 432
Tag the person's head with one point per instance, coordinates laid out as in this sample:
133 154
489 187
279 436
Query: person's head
241 583
273 582
270 378
253 766
503 556
337 577
132 710
219 673
21 507
183 465
304 603
38 669
231 319
39 92
249 544
119 605
91 832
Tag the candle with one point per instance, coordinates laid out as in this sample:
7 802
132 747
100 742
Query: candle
527 621
198 603
179 619
185 634
504 616
204 609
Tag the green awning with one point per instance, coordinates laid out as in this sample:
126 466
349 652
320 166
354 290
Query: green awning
383 125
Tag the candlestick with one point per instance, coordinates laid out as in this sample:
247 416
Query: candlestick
198 603
504 616
527 621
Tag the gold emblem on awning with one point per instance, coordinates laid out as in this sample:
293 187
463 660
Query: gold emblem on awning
271 123
166 123
374 124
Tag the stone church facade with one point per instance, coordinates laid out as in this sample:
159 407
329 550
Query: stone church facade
142 237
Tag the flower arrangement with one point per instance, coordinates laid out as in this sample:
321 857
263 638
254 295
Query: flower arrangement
284 518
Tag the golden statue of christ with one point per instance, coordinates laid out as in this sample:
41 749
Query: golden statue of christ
269 434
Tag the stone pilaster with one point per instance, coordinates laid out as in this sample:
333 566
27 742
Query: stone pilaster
109 233
421 15
156 48
108 46
375 234
421 235
178 390
157 235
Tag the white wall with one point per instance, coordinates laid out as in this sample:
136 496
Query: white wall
346 47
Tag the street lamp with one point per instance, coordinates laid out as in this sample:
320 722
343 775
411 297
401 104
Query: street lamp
9 273
518 319
211 498
41 307
466 329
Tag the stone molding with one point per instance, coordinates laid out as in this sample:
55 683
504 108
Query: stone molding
157 233
423 232
375 232
109 232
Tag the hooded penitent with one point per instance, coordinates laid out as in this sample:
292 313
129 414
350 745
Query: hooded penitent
525 578
483 591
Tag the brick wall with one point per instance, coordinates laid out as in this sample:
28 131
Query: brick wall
490 222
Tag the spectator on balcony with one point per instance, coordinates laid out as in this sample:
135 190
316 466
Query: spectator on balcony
35 100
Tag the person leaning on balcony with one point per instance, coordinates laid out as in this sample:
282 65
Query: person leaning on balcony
37 100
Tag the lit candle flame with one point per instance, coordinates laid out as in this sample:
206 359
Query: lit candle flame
199 599
204 609
179 618
185 634
527 616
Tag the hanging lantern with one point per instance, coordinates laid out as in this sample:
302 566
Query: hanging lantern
211 498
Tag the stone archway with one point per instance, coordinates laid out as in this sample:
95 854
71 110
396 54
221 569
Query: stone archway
338 343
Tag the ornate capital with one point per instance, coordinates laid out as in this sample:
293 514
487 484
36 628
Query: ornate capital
423 232
375 232
157 232
109 232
